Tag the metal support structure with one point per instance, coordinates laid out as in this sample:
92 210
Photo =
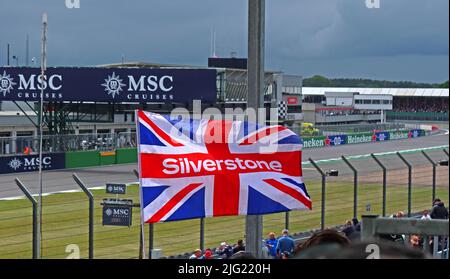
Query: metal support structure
286 220
151 233
255 82
409 181
36 251
368 227
91 213
141 233
355 186
324 175
384 182
445 151
433 179
202 234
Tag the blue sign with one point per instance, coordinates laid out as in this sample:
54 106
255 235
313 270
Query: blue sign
382 136
336 140
27 163
108 85
112 188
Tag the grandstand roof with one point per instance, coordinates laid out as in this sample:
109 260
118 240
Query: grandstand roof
406 92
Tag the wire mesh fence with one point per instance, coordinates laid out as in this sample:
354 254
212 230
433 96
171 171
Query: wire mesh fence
65 221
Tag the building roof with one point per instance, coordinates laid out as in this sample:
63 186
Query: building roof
407 92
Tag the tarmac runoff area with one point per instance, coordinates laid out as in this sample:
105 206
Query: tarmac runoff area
97 177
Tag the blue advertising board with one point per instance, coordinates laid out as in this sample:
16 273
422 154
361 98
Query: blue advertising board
335 140
27 163
382 136
108 85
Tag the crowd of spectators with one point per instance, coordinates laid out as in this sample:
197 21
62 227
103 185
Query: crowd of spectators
336 243
421 106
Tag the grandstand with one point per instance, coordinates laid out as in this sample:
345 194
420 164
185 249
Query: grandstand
429 104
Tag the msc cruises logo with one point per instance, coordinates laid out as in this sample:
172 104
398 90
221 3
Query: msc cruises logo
15 164
113 85
6 83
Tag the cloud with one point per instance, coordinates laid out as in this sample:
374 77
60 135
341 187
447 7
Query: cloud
302 36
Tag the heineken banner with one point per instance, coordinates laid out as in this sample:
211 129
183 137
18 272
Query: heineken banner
108 85
335 140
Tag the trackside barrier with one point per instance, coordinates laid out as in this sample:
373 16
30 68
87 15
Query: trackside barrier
35 217
373 226
91 213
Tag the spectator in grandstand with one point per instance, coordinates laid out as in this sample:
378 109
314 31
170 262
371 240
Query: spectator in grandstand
239 246
285 243
271 244
425 215
348 229
414 240
207 255
356 224
285 255
197 255
395 237
224 250
439 210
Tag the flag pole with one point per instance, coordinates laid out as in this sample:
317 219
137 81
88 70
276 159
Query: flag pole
40 131
138 143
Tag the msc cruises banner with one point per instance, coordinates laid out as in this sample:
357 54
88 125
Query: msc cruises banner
26 163
108 85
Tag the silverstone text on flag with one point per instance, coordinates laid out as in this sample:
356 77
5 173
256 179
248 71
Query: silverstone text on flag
200 168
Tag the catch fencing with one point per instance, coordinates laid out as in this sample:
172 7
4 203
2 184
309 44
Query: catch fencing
342 188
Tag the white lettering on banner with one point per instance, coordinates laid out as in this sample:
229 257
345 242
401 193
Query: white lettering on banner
151 83
30 83
184 165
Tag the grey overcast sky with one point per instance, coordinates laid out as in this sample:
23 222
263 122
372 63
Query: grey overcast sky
401 40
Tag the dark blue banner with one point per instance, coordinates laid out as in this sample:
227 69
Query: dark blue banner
335 140
382 136
26 163
108 85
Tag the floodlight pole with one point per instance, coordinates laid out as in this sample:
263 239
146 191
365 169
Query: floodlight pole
40 130
255 82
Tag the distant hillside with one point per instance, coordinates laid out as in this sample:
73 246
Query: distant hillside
321 81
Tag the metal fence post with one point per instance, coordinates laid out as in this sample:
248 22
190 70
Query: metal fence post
433 191
91 213
445 151
150 240
141 233
36 252
202 234
323 174
384 182
409 181
355 186
286 220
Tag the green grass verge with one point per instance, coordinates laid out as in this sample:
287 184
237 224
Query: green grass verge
66 221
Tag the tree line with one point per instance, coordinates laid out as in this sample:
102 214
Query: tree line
321 81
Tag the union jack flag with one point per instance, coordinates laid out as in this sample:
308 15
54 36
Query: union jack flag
200 168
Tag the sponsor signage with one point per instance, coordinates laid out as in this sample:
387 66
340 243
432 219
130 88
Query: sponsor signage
293 100
398 135
335 140
27 163
108 85
112 188
381 136
359 138
117 212
313 142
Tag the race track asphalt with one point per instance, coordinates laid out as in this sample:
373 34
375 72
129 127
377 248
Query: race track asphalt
60 180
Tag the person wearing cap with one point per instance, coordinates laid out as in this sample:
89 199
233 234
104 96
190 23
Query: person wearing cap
207 255
197 254
285 243
224 250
